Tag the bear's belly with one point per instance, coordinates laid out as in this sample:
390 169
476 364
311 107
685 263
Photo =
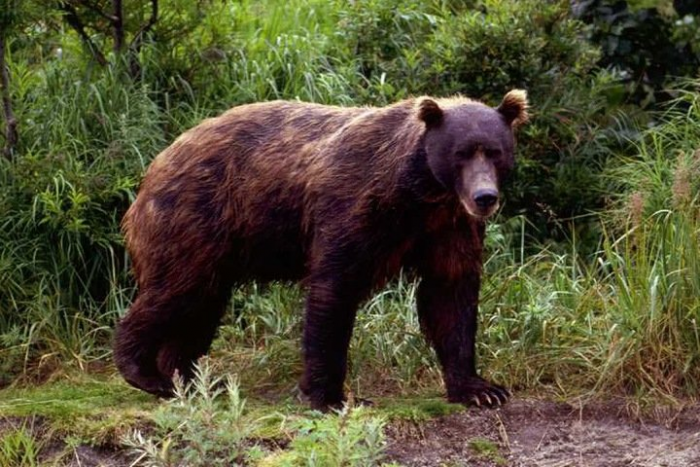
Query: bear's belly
273 251
264 262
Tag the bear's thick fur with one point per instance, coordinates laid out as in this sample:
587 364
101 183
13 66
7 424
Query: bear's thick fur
339 198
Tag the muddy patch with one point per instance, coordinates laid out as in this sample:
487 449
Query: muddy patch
546 434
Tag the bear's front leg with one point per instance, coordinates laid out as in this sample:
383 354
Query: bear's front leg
448 315
331 305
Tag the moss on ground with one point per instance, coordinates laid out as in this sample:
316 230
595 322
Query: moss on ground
89 409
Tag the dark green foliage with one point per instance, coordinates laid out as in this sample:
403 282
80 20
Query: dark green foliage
647 47
82 149
535 46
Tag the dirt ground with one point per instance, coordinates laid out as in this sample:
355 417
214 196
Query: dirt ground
546 434
524 433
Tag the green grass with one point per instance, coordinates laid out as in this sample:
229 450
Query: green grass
209 422
487 449
19 448
417 409
86 409
72 396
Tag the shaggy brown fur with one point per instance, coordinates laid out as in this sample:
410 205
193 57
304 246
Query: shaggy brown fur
341 198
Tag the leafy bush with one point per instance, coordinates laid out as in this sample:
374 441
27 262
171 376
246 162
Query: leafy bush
206 424
647 47
63 198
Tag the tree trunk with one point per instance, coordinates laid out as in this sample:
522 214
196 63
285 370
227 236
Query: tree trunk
10 121
118 25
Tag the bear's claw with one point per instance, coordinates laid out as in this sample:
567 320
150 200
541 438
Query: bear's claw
480 393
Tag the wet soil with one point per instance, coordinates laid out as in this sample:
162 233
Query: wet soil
547 434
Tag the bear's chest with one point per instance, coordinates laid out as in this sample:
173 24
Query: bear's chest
442 230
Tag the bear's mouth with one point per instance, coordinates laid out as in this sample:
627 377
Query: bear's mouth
476 212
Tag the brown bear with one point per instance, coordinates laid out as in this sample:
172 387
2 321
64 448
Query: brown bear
339 198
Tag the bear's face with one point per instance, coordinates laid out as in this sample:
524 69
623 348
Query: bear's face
470 147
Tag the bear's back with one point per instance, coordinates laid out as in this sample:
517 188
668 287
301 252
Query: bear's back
242 176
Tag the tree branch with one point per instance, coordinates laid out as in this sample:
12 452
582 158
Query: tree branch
91 6
137 42
10 120
74 21
146 28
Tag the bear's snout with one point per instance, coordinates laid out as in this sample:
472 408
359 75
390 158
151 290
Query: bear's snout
485 198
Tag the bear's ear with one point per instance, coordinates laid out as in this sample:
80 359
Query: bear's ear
429 111
514 107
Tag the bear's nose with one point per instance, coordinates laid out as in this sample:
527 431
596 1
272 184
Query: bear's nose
485 198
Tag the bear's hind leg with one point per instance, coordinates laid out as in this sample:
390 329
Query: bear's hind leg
160 336
190 336
137 340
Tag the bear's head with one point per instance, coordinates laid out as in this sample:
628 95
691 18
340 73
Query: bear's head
470 146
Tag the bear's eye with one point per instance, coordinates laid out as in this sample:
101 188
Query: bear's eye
492 153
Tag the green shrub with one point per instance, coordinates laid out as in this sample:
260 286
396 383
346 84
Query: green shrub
536 46
62 200
202 425
349 438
